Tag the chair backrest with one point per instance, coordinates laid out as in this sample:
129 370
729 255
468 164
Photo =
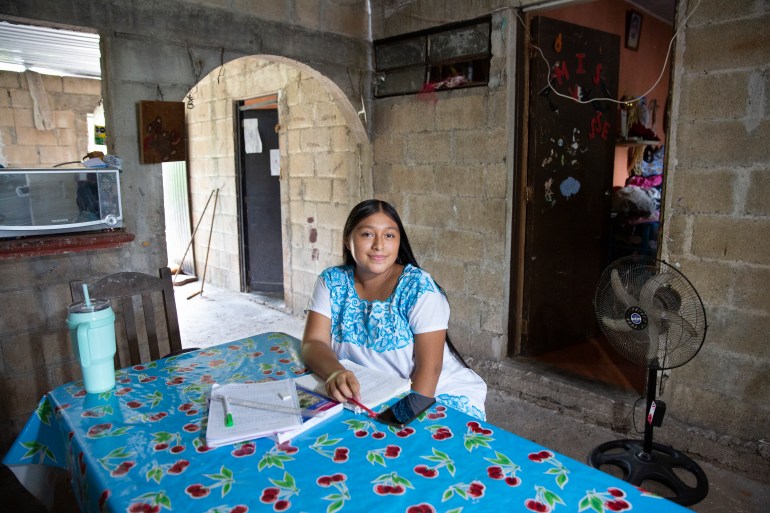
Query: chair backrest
121 289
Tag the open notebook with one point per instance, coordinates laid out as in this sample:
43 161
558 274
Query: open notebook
377 387
279 411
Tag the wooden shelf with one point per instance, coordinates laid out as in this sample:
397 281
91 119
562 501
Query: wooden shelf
61 244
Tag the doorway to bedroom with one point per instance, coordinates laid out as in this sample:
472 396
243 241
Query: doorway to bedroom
592 173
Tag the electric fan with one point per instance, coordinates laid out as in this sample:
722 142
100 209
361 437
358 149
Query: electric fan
653 316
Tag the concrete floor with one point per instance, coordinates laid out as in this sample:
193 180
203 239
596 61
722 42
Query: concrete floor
218 316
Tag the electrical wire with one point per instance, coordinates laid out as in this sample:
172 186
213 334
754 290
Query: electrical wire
622 102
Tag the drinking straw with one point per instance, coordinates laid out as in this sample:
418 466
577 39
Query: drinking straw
85 294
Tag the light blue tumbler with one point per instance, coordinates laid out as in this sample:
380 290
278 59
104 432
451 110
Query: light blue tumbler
92 331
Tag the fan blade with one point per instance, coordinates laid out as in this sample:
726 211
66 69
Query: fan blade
616 324
650 288
674 318
620 291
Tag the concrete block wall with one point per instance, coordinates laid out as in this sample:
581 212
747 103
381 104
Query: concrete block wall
441 160
35 353
717 216
71 100
320 171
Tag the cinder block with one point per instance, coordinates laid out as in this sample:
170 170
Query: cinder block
460 180
9 80
7 116
486 216
461 112
758 193
747 48
317 189
311 91
21 118
389 150
751 289
412 116
496 180
712 280
23 310
20 99
341 139
423 241
492 320
86 86
701 88
466 312
300 164
327 114
52 83
431 210
740 331
484 283
22 156
731 239
709 192
332 216
481 146
314 140
32 137
340 191
52 155
429 147
465 246
301 116
412 179
720 144
449 275
336 165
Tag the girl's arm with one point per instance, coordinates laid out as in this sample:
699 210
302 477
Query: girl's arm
317 353
428 361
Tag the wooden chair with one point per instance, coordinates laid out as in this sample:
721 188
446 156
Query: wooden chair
121 289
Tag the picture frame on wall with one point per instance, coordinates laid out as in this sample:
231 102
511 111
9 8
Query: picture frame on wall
633 29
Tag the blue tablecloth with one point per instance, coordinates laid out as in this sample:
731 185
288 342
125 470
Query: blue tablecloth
140 448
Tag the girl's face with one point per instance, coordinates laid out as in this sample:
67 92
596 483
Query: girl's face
374 243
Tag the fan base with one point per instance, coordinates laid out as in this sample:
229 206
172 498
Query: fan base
658 465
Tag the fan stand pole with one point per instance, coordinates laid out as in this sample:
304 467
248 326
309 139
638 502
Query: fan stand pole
652 382
647 463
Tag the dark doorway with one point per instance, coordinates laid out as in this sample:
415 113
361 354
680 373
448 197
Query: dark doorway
260 197
569 178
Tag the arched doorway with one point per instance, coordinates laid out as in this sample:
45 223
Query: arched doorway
323 169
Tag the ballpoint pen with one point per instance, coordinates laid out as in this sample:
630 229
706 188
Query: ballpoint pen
371 413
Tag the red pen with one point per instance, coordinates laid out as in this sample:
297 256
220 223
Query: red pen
367 410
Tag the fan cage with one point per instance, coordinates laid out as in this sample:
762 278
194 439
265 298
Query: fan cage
678 313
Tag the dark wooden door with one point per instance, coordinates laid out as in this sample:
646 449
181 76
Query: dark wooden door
261 203
569 179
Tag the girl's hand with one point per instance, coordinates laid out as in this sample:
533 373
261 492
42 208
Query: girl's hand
342 385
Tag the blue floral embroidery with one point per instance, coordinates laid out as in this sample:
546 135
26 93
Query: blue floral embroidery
377 325
461 403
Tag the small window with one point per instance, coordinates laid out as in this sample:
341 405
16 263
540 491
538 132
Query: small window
449 57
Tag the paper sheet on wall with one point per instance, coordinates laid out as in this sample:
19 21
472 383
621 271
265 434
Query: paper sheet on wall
251 140
275 162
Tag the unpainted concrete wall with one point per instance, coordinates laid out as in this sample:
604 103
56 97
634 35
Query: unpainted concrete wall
321 171
151 49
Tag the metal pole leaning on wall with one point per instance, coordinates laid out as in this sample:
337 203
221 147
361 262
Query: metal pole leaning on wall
192 237
208 246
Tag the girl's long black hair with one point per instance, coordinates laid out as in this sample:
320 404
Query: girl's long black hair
405 254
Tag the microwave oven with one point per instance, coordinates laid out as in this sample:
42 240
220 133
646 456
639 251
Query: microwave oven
58 200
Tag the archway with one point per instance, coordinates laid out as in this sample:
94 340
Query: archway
324 169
